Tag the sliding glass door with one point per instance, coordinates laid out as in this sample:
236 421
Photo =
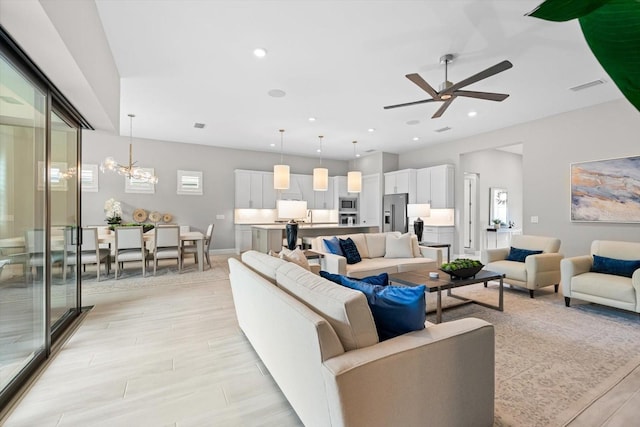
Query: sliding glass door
22 222
39 217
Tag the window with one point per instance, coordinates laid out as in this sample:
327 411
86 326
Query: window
190 182
133 185
89 178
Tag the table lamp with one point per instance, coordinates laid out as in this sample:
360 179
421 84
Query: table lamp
417 210
292 210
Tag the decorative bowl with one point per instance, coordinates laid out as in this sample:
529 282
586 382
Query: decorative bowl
463 273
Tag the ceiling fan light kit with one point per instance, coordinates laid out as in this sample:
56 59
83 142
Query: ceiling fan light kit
448 91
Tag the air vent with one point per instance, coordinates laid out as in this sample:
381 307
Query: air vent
587 85
370 151
444 129
198 125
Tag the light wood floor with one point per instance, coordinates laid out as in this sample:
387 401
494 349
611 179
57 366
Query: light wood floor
170 355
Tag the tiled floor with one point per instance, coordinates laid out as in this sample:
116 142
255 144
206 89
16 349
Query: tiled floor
164 355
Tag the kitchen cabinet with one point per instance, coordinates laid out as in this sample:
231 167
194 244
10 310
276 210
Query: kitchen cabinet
340 183
263 240
438 234
402 181
370 203
249 186
268 192
325 199
243 238
435 185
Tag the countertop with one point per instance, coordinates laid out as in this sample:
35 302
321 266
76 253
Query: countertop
303 226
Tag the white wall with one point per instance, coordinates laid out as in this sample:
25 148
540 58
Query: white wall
216 163
551 144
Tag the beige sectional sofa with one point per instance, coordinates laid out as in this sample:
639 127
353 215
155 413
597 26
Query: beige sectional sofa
375 259
319 342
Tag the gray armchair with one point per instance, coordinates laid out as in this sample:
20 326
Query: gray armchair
537 271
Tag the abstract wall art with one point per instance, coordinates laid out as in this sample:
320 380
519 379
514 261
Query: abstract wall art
606 190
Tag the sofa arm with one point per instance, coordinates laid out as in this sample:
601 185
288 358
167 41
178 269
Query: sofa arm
492 255
333 263
432 253
635 281
543 262
419 378
570 267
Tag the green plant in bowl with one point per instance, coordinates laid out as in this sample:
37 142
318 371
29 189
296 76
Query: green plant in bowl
462 267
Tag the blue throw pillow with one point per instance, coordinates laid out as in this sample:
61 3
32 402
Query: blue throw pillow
350 251
519 255
333 246
396 310
381 279
618 267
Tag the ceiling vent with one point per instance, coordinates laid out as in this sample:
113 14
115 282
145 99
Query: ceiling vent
370 151
587 85
444 129
198 125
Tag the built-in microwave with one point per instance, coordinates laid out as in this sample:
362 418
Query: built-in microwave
348 204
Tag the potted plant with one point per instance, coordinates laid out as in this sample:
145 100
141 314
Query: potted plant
496 223
113 211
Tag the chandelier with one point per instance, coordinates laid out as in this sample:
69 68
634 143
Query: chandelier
130 171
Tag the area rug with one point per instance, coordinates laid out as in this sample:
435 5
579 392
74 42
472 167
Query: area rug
551 361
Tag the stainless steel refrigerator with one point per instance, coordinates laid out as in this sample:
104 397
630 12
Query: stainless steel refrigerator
395 212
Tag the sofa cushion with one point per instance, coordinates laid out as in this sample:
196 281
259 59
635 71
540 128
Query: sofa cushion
396 309
611 287
519 255
376 244
618 267
264 264
416 247
398 246
361 243
345 309
332 245
512 269
297 256
350 251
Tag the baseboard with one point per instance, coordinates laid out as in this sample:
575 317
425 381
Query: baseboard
230 251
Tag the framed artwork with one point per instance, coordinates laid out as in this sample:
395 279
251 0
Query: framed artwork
606 190
132 185
189 182
89 178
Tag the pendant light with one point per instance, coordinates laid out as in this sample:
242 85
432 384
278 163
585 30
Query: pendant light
320 175
129 170
354 178
281 171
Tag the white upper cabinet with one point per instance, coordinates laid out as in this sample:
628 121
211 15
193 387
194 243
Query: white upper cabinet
249 185
435 185
325 199
268 192
341 187
402 181
370 204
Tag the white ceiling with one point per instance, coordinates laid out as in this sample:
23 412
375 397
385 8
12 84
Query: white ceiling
184 61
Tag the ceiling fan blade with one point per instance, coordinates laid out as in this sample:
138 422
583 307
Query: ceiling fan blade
406 104
491 96
422 84
502 66
442 108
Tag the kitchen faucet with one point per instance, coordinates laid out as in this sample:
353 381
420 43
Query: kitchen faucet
310 216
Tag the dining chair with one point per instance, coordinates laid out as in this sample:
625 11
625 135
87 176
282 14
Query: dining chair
193 249
167 245
92 253
129 246
35 255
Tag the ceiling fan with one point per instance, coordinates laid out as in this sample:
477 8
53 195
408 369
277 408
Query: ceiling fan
449 91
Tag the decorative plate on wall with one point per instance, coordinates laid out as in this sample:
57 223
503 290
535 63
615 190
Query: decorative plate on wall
167 217
139 215
155 216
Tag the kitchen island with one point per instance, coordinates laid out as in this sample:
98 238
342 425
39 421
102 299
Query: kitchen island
266 237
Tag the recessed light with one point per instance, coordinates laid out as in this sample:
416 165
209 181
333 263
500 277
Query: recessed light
413 122
371 130
276 93
312 119
358 155
272 145
260 52
318 151
472 113
415 138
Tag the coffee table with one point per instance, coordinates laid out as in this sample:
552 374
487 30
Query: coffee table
445 281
